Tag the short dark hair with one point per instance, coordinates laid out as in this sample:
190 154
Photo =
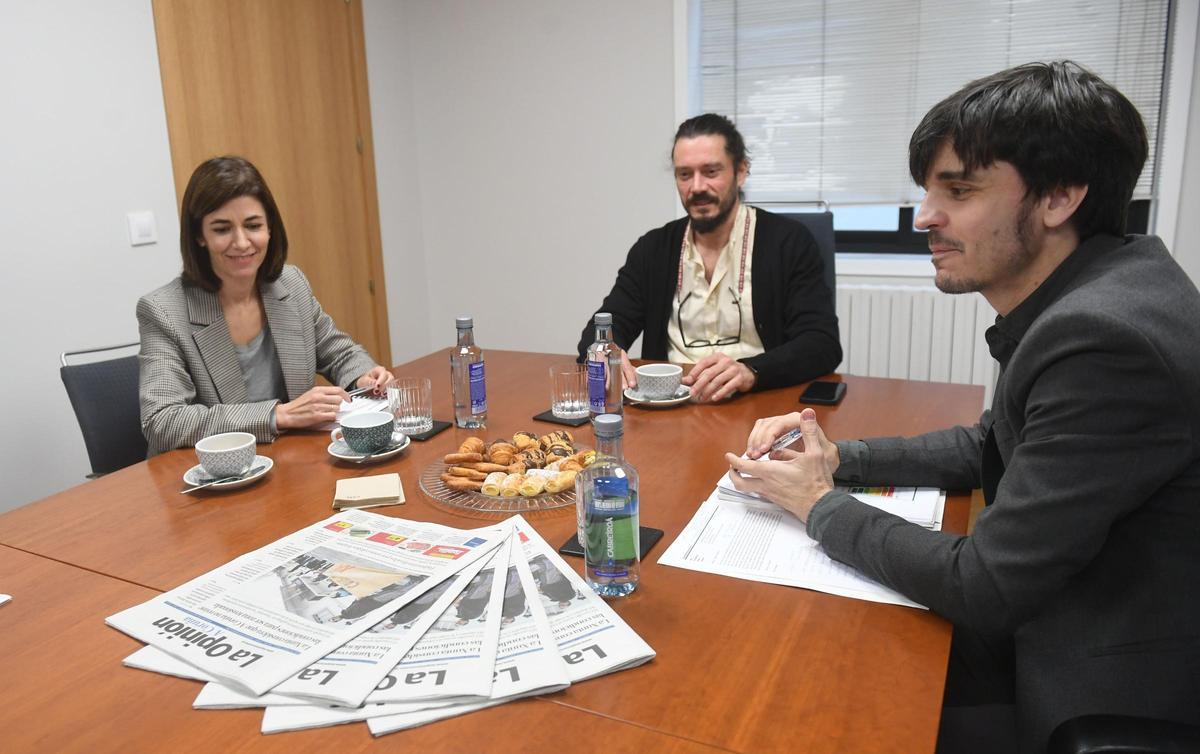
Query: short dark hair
213 183
1057 123
711 124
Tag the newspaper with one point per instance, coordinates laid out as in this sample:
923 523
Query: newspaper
346 676
591 638
759 541
526 663
260 619
158 661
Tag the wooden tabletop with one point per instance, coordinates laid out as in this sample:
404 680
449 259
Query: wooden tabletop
741 666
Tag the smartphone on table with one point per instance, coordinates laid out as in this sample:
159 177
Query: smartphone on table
823 393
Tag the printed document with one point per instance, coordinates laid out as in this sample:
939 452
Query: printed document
759 541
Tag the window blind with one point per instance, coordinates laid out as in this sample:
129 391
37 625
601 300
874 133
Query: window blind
827 92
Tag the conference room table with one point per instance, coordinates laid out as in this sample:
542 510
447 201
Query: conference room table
741 666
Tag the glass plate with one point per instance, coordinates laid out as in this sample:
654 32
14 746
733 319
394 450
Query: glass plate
435 489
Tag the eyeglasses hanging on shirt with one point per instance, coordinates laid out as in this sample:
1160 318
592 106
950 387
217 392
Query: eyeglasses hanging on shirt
736 297
720 341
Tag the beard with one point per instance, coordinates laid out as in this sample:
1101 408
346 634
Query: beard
704 225
1019 255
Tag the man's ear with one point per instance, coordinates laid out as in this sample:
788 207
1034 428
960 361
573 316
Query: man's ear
743 171
1061 204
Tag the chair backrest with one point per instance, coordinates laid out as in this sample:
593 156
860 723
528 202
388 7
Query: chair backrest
820 224
104 395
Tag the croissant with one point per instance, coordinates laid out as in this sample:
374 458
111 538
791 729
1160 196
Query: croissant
533 485
525 440
471 445
570 464
561 482
491 485
502 452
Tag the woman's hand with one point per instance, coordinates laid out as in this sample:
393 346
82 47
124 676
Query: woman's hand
375 379
318 406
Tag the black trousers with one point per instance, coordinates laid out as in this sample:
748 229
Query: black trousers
978 710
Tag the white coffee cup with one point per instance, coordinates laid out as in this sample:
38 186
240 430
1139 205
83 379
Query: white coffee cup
227 454
659 382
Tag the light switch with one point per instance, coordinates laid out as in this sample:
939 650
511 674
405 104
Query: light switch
142 229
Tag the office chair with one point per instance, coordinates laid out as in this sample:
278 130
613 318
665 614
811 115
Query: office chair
104 395
1123 734
820 224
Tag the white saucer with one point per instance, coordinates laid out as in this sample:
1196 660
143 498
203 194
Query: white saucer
681 396
196 475
339 449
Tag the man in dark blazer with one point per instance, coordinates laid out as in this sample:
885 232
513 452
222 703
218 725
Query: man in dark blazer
734 290
1076 592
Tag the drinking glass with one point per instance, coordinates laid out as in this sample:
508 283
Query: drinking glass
568 391
411 402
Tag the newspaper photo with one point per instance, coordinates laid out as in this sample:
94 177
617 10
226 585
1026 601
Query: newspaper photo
267 615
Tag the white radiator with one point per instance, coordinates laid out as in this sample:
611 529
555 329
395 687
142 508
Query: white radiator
916 333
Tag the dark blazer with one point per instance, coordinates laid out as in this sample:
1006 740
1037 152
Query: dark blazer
191 383
1088 553
793 308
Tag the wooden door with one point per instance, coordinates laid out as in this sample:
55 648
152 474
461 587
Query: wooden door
283 83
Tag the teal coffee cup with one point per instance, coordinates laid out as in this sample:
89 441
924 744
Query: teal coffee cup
368 432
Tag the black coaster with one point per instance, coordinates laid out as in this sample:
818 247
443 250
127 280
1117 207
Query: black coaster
647 537
548 416
438 426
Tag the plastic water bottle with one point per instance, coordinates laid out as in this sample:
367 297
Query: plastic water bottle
604 370
607 496
467 379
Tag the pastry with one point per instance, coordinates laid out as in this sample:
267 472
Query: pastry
585 457
461 484
533 484
465 473
562 481
501 452
491 485
485 467
454 458
570 464
471 445
525 440
558 452
532 458
560 436
511 486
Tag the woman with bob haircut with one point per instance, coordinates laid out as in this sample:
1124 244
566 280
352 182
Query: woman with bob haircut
234 342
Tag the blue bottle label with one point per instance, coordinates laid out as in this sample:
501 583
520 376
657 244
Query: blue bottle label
611 496
596 386
478 388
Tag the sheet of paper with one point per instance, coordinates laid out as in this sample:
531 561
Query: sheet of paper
759 541
357 405
920 505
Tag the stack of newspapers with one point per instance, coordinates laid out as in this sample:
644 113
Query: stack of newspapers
398 623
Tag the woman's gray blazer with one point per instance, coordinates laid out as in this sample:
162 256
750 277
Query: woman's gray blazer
191 382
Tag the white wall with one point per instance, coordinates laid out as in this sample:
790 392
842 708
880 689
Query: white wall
83 140
393 130
543 131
